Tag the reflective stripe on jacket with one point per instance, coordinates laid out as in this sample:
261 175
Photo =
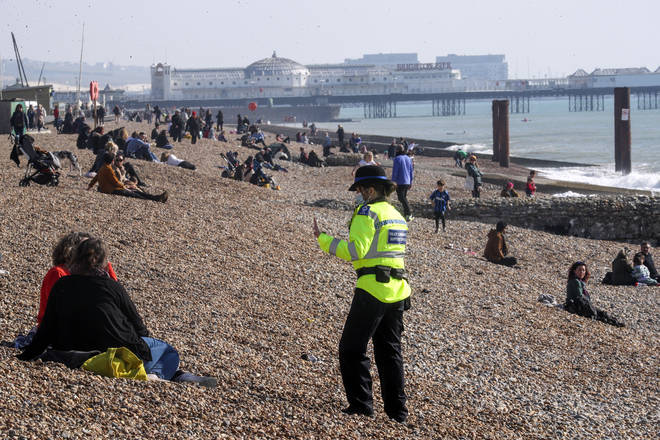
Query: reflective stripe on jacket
377 237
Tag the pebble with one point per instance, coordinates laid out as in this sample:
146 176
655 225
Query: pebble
231 275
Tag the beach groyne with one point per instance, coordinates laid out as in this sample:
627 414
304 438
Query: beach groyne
629 218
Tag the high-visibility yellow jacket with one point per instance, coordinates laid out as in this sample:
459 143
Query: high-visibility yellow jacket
377 237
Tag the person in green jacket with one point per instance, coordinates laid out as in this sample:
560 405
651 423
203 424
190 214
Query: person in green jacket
376 246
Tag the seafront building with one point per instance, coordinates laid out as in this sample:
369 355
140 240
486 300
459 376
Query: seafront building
281 77
623 77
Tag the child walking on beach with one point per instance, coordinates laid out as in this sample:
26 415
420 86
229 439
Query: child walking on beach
530 190
440 199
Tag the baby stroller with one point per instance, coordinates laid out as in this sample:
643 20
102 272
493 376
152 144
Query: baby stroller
233 165
42 166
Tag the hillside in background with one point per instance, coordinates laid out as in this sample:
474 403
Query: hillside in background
67 73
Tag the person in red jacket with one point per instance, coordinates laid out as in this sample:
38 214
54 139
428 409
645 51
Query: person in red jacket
61 256
530 190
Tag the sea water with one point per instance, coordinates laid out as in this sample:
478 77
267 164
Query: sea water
548 131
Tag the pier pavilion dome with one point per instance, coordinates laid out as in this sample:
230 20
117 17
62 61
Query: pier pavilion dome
274 67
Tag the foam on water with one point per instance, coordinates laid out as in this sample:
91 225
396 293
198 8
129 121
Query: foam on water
604 176
568 194
472 148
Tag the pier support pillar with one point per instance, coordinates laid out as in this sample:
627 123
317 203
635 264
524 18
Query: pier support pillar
622 157
501 132
379 109
448 107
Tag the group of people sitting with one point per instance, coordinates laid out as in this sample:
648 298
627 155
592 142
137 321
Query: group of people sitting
84 311
252 169
310 158
641 271
116 176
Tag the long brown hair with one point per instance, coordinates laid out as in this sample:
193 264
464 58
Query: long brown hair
571 271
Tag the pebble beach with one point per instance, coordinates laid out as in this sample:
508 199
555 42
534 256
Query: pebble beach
230 274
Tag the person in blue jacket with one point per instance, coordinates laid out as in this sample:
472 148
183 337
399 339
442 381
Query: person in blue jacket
402 175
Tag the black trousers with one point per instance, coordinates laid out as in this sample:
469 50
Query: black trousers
439 215
187 165
583 307
508 261
134 194
402 195
131 172
194 136
383 324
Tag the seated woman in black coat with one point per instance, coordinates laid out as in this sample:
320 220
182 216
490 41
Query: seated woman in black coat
578 300
89 311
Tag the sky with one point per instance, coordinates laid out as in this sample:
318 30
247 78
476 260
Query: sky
540 39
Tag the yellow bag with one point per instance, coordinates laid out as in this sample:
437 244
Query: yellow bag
117 362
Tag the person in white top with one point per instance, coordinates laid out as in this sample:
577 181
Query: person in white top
171 159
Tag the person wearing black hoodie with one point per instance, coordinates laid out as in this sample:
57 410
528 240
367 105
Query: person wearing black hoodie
89 311
19 123
193 126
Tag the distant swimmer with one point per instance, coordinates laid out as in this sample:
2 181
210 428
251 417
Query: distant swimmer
526 120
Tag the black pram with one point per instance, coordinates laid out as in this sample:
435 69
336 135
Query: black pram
42 166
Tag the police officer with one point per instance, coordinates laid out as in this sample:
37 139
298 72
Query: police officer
376 246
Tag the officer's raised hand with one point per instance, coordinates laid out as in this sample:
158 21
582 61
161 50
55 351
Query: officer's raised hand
316 229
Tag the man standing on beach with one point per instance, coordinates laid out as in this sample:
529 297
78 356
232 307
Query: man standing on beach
177 127
376 246
340 135
402 175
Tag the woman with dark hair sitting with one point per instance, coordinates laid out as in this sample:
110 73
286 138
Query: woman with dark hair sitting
578 300
496 249
89 311
62 253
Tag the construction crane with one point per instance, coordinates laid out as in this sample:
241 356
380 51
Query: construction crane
19 61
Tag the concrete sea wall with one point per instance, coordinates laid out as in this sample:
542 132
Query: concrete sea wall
629 218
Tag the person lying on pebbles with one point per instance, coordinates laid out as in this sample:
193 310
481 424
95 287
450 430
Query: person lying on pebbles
110 184
171 159
578 300
89 311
